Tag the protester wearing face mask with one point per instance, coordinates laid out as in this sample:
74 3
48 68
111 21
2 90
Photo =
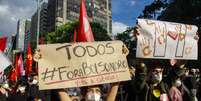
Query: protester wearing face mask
92 93
148 83
175 83
158 89
199 86
190 86
3 93
6 87
20 94
21 89
33 87
13 89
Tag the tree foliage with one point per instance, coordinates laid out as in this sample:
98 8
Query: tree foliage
151 10
65 33
129 40
183 11
100 34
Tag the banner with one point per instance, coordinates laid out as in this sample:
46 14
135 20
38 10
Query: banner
81 64
4 61
166 40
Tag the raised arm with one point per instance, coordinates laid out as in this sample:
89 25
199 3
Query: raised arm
112 92
63 95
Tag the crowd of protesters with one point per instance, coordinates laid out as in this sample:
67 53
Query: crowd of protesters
21 90
155 81
152 80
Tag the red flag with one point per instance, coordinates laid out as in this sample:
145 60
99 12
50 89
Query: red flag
3 43
20 66
85 33
28 69
13 75
17 68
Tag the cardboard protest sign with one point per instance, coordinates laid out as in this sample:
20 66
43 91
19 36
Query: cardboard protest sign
81 64
166 40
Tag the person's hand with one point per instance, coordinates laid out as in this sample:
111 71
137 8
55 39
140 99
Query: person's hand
136 31
37 55
196 37
173 62
179 63
115 84
2 91
132 71
125 50
37 99
113 91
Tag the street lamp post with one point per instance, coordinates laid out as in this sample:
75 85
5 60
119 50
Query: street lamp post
38 23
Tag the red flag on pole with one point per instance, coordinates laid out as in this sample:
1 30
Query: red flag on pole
13 75
85 33
17 68
20 66
3 43
28 69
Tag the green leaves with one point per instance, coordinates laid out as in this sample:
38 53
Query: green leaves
65 33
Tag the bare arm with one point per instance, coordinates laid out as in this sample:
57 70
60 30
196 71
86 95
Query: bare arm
111 96
113 92
63 95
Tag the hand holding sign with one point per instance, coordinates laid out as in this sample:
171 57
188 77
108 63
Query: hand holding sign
196 37
136 31
125 50
167 40
173 62
82 64
37 55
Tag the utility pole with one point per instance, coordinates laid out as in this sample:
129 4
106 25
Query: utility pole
38 24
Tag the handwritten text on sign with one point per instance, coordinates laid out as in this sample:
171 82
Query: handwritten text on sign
166 40
82 64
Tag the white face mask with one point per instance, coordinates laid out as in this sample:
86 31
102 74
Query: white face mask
93 97
22 89
34 81
6 86
157 78
178 83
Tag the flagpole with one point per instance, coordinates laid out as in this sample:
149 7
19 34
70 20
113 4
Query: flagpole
38 24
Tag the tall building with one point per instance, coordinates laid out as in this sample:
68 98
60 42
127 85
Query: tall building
43 21
23 26
64 11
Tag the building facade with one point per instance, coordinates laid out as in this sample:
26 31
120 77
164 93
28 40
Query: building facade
23 26
43 21
64 11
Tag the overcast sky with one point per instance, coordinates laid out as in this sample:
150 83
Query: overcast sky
124 13
12 10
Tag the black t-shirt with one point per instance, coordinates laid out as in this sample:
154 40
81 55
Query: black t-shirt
2 97
18 97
